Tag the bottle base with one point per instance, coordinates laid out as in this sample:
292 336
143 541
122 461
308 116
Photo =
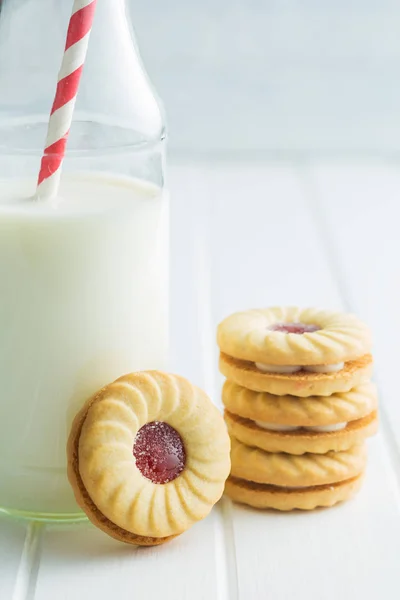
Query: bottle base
50 518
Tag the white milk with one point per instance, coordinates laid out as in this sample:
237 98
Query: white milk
83 300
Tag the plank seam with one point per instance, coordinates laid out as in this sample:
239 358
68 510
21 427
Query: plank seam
25 585
225 548
227 575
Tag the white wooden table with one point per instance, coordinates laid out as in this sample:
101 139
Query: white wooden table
249 236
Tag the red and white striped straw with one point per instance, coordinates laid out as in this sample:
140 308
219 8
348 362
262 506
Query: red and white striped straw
76 46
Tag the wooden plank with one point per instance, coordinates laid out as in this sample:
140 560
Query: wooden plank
12 536
359 212
267 250
349 551
83 561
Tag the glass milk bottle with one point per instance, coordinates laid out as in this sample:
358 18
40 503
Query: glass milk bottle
84 279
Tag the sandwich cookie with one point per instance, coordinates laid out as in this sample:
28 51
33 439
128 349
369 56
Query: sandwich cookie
288 413
286 470
260 495
301 440
295 351
148 456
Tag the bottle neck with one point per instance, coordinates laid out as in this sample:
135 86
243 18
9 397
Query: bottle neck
114 87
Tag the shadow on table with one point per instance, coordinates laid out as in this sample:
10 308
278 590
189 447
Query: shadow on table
85 542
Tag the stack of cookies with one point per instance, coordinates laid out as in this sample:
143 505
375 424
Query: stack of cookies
299 405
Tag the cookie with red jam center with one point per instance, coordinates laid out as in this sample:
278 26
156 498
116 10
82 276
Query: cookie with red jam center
297 351
159 452
148 456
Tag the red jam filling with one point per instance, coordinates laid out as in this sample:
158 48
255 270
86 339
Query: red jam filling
298 328
159 452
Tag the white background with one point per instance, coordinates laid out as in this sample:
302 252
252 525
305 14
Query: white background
275 76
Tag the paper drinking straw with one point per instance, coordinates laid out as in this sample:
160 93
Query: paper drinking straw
76 46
